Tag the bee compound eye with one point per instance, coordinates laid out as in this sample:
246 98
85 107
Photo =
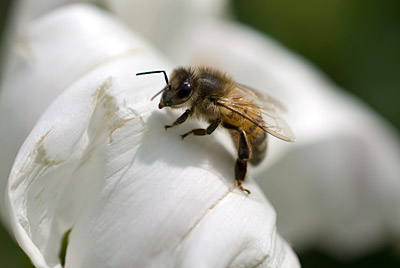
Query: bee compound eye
185 90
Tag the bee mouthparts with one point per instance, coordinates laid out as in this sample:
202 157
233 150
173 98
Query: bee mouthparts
161 105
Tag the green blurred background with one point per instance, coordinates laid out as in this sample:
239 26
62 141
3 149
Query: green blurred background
355 42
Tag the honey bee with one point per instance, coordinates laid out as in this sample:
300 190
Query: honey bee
209 94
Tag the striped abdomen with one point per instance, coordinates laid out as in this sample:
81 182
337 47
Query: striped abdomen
257 139
258 144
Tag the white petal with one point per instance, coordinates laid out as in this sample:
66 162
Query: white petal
99 162
338 186
161 21
47 59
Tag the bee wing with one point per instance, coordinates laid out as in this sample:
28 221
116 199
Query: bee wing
277 126
244 106
263 100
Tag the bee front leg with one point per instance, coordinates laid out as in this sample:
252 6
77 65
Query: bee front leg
180 120
243 156
201 131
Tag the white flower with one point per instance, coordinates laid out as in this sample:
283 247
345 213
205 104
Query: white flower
99 163
338 186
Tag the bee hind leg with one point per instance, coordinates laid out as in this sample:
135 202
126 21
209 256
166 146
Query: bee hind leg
180 120
243 156
240 173
203 131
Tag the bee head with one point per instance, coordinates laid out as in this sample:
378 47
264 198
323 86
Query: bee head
179 90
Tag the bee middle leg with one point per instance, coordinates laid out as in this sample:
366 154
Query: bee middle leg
203 131
243 156
180 120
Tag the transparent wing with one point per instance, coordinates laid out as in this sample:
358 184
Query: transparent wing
243 103
263 100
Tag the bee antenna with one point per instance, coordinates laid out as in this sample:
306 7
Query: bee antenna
156 72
